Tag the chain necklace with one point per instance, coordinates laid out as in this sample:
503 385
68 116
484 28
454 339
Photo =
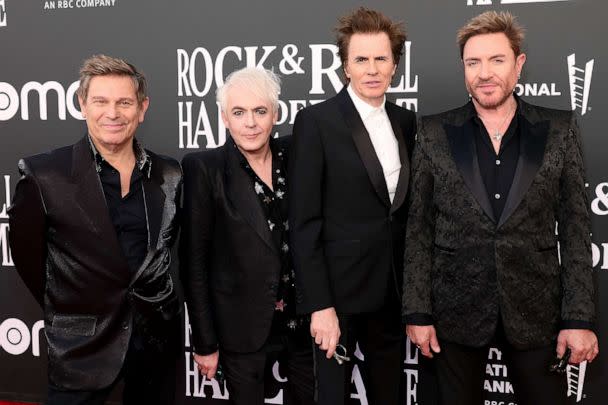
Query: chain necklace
497 135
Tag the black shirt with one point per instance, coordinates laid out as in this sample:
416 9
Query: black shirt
275 205
128 213
497 170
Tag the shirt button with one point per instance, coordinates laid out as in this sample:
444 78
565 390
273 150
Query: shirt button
497 196
497 162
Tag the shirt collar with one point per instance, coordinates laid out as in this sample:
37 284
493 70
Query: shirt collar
273 151
475 117
142 159
363 108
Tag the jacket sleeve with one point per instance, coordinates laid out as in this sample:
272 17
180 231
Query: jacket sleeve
419 239
197 217
27 232
574 227
306 168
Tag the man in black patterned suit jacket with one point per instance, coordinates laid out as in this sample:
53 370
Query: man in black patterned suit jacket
490 180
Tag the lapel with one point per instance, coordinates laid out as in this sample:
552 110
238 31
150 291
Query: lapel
364 145
533 139
90 196
464 153
154 199
404 173
241 193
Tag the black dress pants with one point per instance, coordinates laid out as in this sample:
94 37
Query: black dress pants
461 371
245 372
381 340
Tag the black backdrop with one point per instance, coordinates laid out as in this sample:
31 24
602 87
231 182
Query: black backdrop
186 48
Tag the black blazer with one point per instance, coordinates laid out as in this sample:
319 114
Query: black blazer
464 267
229 263
347 238
66 251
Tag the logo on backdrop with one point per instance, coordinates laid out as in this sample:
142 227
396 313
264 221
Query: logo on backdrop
411 373
496 381
7 260
580 83
199 73
13 101
575 375
70 4
2 14
16 337
599 204
489 2
599 255
537 89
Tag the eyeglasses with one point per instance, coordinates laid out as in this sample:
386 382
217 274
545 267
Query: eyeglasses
559 364
341 355
219 375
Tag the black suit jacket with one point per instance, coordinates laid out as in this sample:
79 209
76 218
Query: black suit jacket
347 238
230 265
464 267
66 250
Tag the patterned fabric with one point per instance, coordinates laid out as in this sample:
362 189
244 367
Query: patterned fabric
275 204
464 269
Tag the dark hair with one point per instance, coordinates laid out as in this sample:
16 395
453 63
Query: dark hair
492 22
367 21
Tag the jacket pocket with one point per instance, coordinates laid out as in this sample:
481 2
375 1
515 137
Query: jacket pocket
445 249
79 325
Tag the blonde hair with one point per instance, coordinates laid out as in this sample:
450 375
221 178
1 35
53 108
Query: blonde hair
263 83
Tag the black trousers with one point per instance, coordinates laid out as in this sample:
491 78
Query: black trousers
148 376
461 372
245 372
382 341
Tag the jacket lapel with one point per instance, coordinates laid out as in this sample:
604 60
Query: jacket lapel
154 198
364 146
464 153
91 199
533 139
404 173
241 193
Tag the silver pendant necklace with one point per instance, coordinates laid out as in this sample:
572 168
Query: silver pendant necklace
497 135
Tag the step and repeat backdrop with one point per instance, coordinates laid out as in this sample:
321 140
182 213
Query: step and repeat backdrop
187 48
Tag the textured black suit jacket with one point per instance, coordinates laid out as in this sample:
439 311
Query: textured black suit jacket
347 238
464 267
66 250
229 263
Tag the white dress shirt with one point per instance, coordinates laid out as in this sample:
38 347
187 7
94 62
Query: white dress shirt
383 139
